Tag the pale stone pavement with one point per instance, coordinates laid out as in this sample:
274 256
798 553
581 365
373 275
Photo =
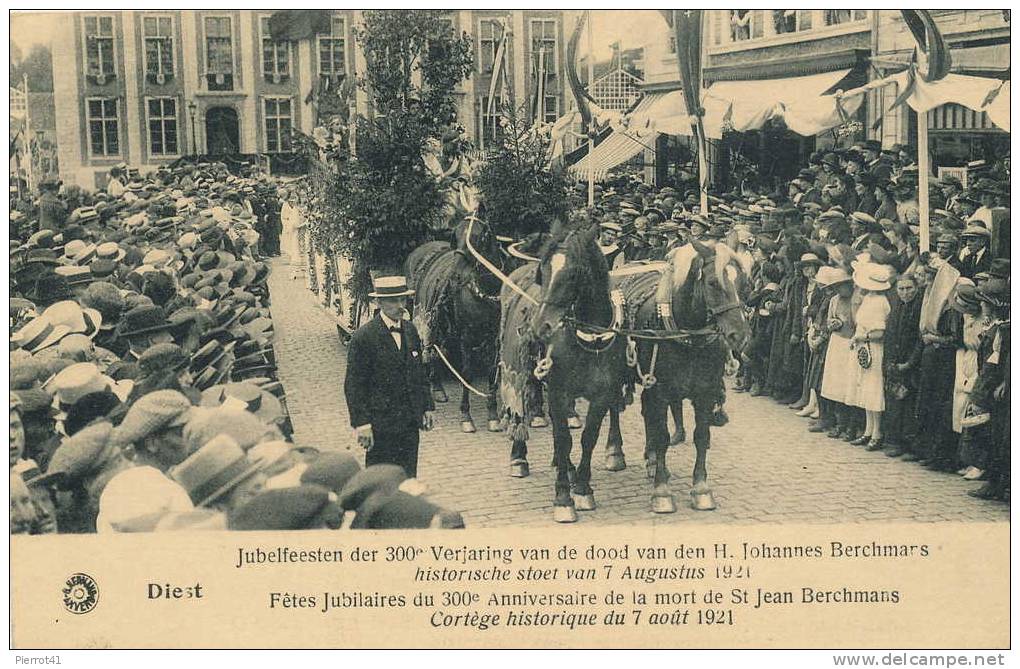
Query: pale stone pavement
764 466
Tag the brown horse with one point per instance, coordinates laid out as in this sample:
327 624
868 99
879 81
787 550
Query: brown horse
693 319
541 341
456 309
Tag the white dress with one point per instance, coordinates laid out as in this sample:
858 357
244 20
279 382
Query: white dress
866 387
288 239
836 370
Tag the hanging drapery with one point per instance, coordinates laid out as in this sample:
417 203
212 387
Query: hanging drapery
799 101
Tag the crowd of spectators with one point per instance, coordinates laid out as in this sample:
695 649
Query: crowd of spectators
144 394
879 343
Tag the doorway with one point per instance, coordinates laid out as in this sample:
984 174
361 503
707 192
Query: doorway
222 132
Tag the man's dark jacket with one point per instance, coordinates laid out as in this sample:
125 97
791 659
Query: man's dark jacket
52 212
385 386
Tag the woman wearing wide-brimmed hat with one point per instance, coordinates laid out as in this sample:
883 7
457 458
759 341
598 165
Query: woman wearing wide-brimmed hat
866 385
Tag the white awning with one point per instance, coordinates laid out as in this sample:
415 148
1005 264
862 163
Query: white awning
982 94
978 93
663 112
799 101
618 148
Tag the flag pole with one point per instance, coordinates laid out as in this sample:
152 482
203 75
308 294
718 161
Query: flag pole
590 129
922 181
28 137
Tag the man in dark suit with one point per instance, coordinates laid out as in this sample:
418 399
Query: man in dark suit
52 211
874 165
386 386
975 256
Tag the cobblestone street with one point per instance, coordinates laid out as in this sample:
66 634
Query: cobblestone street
764 466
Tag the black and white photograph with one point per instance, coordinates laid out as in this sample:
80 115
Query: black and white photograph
327 270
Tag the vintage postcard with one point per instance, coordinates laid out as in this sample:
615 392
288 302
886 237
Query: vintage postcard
511 328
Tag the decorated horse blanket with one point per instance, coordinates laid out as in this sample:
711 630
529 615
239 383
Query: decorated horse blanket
519 390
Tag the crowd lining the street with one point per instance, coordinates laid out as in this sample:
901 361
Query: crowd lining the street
143 388
877 343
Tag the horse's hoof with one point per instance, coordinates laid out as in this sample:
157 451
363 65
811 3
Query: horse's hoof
439 395
584 502
615 462
539 421
650 469
702 498
495 426
564 514
574 423
519 469
467 426
679 437
663 504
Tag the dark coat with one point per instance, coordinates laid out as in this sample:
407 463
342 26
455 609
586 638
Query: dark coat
969 266
52 212
867 204
903 340
385 386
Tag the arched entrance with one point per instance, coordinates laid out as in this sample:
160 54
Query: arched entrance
222 132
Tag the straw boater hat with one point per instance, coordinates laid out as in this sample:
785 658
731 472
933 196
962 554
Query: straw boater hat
390 286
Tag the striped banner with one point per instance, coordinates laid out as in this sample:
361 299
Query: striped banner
957 117
538 107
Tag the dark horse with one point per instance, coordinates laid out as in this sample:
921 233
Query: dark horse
693 317
456 307
541 340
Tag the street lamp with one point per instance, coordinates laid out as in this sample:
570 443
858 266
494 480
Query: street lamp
191 112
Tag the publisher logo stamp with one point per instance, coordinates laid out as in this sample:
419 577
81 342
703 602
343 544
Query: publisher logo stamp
81 593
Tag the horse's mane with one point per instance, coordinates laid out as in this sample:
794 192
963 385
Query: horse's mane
578 242
683 257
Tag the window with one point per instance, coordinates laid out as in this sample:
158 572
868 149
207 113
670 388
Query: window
551 109
491 126
162 115
99 47
158 34
671 43
490 32
740 24
275 54
791 20
543 38
18 105
278 125
219 53
332 49
103 124
835 17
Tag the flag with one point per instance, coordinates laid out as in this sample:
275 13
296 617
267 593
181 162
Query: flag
499 73
573 78
687 27
687 31
931 42
538 108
